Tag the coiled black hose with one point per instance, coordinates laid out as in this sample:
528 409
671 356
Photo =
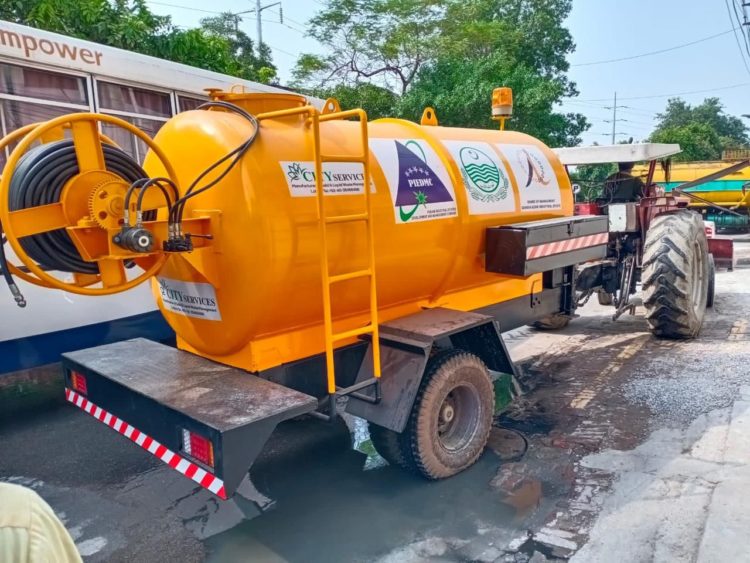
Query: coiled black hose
39 179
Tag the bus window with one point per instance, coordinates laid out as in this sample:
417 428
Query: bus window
185 103
42 84
146 109
29 95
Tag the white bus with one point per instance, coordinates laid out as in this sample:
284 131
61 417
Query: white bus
43 75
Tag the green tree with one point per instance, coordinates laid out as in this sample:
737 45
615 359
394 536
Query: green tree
254 64
382 40
461 90
698 141
715 130
376 101
451 54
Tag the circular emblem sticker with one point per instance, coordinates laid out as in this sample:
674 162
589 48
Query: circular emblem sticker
484 180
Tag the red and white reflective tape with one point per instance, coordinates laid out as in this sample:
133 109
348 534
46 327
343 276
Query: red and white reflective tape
187 468
558 247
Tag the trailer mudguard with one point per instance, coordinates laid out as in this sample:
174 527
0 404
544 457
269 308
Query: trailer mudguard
405 347
152 394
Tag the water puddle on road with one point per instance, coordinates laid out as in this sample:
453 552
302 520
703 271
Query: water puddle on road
328 509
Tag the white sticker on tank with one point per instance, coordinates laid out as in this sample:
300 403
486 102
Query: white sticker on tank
339 178
420 186
537 182
487 182
189 298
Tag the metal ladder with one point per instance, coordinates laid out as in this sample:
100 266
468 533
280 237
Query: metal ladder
328 280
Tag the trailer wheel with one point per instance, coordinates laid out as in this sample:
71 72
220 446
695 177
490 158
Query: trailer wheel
452 415
388 444
552 322
675 275
711 281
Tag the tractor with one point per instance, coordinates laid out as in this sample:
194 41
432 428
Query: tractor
656 242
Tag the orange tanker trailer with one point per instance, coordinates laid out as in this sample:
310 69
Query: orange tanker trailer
301 257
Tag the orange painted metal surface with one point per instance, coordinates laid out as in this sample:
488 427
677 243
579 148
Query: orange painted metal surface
265 268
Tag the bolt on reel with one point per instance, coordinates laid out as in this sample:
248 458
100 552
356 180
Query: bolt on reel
67 194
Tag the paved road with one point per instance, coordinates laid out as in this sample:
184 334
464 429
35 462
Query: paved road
596 388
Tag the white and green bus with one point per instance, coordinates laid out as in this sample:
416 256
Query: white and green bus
43 75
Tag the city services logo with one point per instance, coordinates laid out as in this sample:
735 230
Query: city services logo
484 180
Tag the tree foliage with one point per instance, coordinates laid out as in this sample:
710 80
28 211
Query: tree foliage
451 54
253 64
386 40
380 102
460 91
129 24
703 131
698 141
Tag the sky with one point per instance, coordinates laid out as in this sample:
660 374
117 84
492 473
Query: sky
602 30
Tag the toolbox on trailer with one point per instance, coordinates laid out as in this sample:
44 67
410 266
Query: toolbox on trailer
523 249
206 420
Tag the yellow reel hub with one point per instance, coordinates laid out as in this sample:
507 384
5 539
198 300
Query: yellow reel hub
90 206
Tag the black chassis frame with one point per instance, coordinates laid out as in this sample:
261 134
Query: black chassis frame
406 344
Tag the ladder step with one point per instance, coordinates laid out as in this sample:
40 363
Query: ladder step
367 329
342 158
350 276
348 218
341 391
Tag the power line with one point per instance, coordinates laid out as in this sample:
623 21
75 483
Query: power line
190 8
658 52
737 39
739 20
740 85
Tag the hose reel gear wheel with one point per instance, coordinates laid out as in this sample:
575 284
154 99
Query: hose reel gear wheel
107 203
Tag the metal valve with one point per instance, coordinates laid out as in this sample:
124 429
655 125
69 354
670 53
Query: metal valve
135 239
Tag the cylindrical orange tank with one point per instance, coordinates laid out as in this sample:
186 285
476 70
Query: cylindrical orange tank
253 299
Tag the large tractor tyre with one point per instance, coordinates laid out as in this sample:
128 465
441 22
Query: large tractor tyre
552 322
675 275
388 444
604 298
452 415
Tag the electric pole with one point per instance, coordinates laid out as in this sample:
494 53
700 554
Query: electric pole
615 119
258 10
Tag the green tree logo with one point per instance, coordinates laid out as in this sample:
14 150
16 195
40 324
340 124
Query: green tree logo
294 171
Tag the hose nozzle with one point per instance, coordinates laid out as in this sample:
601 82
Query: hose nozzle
17 295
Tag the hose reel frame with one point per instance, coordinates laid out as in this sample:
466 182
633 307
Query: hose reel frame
87 144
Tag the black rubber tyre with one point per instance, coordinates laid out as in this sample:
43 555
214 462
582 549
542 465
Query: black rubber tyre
675 275
388 444
604 298
451 419
711 281
552 322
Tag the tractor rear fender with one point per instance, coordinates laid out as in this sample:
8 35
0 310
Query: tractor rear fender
405 347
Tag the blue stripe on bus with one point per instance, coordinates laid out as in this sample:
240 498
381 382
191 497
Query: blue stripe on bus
34 351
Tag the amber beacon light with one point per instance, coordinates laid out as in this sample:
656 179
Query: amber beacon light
502 105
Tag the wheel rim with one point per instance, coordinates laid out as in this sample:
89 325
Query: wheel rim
458 417
696 293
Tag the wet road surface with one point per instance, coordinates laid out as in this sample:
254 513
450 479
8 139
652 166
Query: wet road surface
595 386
